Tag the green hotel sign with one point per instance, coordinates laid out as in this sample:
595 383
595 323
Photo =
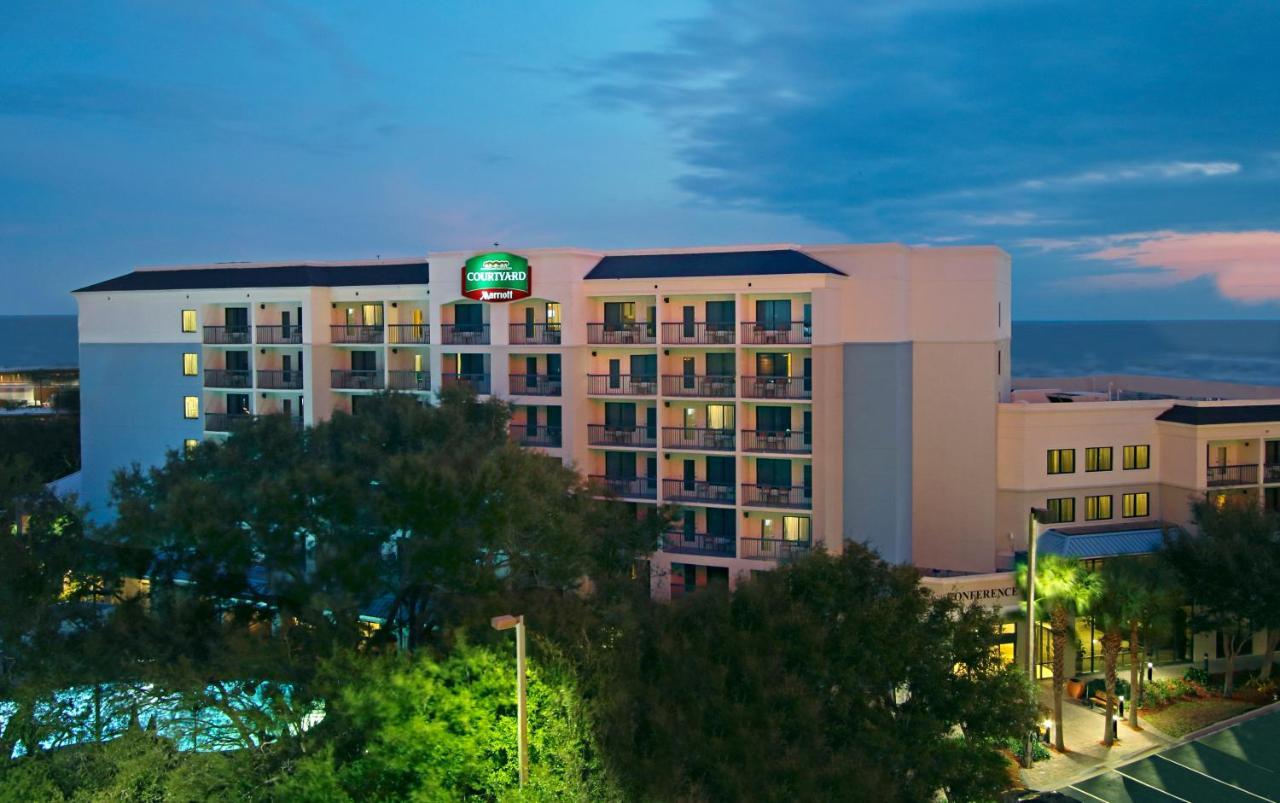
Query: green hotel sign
496 277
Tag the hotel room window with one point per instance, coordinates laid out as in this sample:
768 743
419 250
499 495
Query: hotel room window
1137 456
189 445
1097 458
190 364
1062 510
191 407
1136 505
1097 508
188 320
1062 461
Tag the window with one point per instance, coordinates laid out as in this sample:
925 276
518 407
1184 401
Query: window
188 320
1136 505
1097 458
1137 456
189 445
191 406
1062 461
190 364
1097 508
1062 510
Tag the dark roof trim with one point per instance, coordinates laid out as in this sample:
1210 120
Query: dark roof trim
1236 414
777 262
275 276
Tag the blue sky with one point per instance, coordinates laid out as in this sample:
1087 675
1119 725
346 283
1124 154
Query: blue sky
1126 154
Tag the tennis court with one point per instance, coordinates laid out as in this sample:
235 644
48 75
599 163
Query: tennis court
1241 763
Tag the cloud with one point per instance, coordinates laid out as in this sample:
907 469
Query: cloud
1148 172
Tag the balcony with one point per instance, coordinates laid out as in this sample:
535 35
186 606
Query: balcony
694 385
227 335
697 334
540 437
797 497
409 380
628 487
778 549
772 334
1271 472
1220 476
621 385
227 378
700 491
534 334
464 334
229 422
637 437
777 387
356 380
479 383
280 380
356 334
682 543
409 334
535 384
718 440
785 442
621 334
279 335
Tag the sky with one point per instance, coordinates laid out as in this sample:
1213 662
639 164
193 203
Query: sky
1126 154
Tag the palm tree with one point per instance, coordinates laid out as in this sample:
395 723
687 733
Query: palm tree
1115 609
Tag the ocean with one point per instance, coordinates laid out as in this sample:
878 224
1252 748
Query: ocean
38 341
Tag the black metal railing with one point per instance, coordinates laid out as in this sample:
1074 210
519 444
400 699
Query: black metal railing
718 387
479 383
676 490
1245 474
698 438
227 378
629 487
698 333
356 333
763 333
356 380
464 334
280 380
622 385
279 335
621 334
225 422
1271 472
680 542
786 442
777 387
227 335
785 496
538 436
642 437
409 380
408 334
779 549
535 384
534 334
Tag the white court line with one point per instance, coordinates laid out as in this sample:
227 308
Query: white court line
1081 791
1213 778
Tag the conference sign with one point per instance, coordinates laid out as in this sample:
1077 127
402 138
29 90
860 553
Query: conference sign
496 277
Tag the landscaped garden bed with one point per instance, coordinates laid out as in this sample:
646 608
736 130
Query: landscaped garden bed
1178 706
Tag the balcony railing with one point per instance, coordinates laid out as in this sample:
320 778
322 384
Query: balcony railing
784 442
1271 472
356 380
408 334
777 387
464 334
479 383
761 333
227 378
629 487
717 387
280 380
698 334
535 384
1246 474
697 438
641 437
356 333
682 543
279 335
409 380
534 334
227 335
228 422
544 437
783 496
621 334
719 493
779 549
621 385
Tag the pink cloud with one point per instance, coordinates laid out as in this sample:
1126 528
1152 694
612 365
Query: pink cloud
1245 265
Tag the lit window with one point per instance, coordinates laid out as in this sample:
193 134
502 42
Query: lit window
188 320
1097 458
1062 510
1137 456
189 445
1135 505
1062 461
191 406
1097 508
190 364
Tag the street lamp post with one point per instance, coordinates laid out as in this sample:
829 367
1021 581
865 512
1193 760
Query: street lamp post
1034 517
506 622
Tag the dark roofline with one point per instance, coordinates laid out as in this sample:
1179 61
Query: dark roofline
1198 416
775 262
269 276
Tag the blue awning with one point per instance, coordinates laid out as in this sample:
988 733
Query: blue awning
1104 541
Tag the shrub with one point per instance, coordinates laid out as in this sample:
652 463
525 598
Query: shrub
1039 752
1196 675
1159 693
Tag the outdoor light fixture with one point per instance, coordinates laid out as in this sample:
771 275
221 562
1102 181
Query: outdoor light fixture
507 622
1150 666
1048 730
1122 705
